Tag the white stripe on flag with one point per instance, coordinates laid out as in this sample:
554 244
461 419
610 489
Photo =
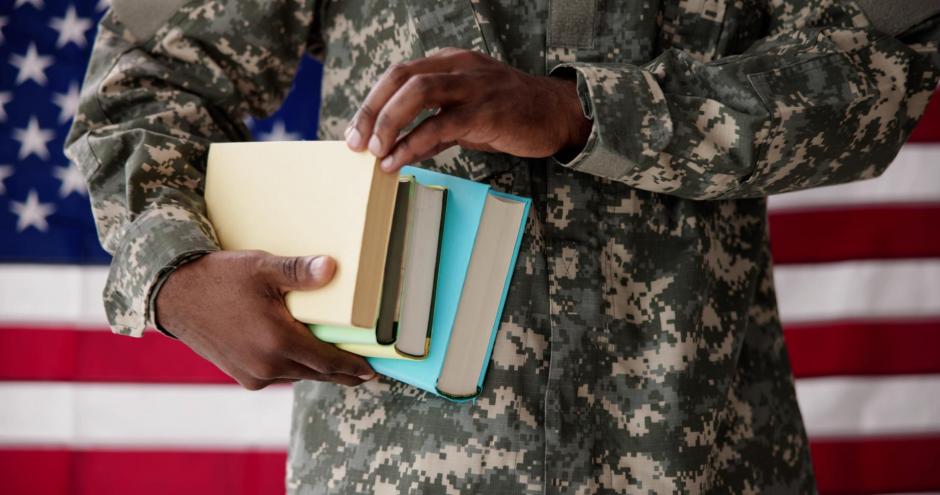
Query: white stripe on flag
851 406
69 294
913 177
140 415
227 417
858 290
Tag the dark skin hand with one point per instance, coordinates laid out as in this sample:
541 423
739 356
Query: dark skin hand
228 307
484 105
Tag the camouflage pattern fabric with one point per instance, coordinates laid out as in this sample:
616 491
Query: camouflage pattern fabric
640 350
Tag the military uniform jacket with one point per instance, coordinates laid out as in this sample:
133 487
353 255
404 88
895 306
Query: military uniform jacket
640 350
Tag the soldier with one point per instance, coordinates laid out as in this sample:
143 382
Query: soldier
640 350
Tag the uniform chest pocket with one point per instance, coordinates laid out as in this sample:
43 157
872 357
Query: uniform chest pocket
805 100
829 81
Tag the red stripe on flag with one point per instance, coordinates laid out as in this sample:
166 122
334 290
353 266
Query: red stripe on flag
877 465
843 466
864 348
928 129
100 356
816 349
92 472
881 232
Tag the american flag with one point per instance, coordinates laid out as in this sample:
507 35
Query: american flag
84 411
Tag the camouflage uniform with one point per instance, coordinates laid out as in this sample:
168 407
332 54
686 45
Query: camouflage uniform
640 350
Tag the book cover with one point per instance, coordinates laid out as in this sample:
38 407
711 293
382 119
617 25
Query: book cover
304 198
465 201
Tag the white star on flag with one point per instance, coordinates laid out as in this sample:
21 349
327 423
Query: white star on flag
72 180
4 99
32 213
67 103
5 171
71 28
34 3
279 133
32 65
33 140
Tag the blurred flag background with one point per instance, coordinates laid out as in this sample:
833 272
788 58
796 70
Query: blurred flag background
83 411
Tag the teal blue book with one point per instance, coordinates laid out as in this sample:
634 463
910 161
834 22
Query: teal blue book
451 375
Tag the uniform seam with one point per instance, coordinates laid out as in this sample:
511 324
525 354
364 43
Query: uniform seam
546 428
607 285
476 22
546 410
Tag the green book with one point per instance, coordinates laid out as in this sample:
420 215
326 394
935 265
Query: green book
356 340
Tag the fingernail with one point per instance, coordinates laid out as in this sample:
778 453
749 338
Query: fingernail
367 376
387 162
375 146
353 138
320 266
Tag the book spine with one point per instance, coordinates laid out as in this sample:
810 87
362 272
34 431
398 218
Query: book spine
512 269
459 398
437 268
386 328
383 190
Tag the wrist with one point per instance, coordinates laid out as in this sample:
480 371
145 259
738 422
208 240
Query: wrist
160 319
577 126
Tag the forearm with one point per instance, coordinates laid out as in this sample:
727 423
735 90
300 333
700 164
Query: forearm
804 108
148 113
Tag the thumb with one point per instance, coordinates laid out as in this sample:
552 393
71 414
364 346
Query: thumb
300 272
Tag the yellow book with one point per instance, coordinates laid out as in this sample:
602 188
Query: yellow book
308 198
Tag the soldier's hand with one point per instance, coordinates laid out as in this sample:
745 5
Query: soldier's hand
484 105
228 306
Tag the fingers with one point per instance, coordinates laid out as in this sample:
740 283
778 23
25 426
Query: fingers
325 358
296 372
297 272
360 134
360 130
423 91
284 349
300 372
432 136
294 354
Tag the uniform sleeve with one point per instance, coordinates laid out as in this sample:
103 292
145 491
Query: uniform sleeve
819 101
150 106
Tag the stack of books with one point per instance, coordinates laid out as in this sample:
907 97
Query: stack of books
424 259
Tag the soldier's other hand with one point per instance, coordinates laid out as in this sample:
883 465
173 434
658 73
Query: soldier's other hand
228 307
483 104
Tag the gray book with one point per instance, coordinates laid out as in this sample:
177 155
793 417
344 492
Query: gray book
419 278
